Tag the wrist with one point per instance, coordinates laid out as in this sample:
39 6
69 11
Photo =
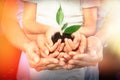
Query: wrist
87 31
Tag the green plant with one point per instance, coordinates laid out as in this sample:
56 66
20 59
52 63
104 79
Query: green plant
65 28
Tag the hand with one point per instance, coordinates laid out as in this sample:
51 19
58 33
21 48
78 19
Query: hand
50 32
31 49
93 55
49 63
53 46
79 41
72 45
45 49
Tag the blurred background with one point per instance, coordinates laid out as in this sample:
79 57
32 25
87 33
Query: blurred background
9 55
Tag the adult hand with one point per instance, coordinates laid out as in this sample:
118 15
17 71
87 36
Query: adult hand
31 49
38 62
49 63
93 55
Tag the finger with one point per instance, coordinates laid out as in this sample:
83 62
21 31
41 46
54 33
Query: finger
72 44
57 68
42 54
67 46
69 67
31 63
62 62
33 60
45 51
60 48
61 59
87 57
40 68
72 53
81 57
97 55
77 37
60 55
36 49
41 44
46 61
49 40
54 47
66 56
82 63
33 56
53 55
83 44
51 66
42 65
51 33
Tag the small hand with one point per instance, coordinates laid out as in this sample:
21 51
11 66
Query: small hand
45 49
72 45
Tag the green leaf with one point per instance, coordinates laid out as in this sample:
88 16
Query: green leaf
59 16
71 29
64 26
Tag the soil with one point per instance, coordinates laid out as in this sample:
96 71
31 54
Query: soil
57 36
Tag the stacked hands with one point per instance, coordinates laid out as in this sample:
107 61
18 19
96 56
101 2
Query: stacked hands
82 51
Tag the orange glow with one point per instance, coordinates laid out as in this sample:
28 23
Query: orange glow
9 55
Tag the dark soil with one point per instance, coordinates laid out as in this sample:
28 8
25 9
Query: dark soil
57 36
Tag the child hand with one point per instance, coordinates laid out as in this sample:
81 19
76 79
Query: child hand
53 46
45 49
72 45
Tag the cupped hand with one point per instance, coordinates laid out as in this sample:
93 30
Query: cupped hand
49 63
93 54
45 49
72 44
32 52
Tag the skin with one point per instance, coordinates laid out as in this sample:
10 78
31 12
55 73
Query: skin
46 46
94 51
93 54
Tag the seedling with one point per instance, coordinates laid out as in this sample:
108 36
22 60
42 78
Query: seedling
65 29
